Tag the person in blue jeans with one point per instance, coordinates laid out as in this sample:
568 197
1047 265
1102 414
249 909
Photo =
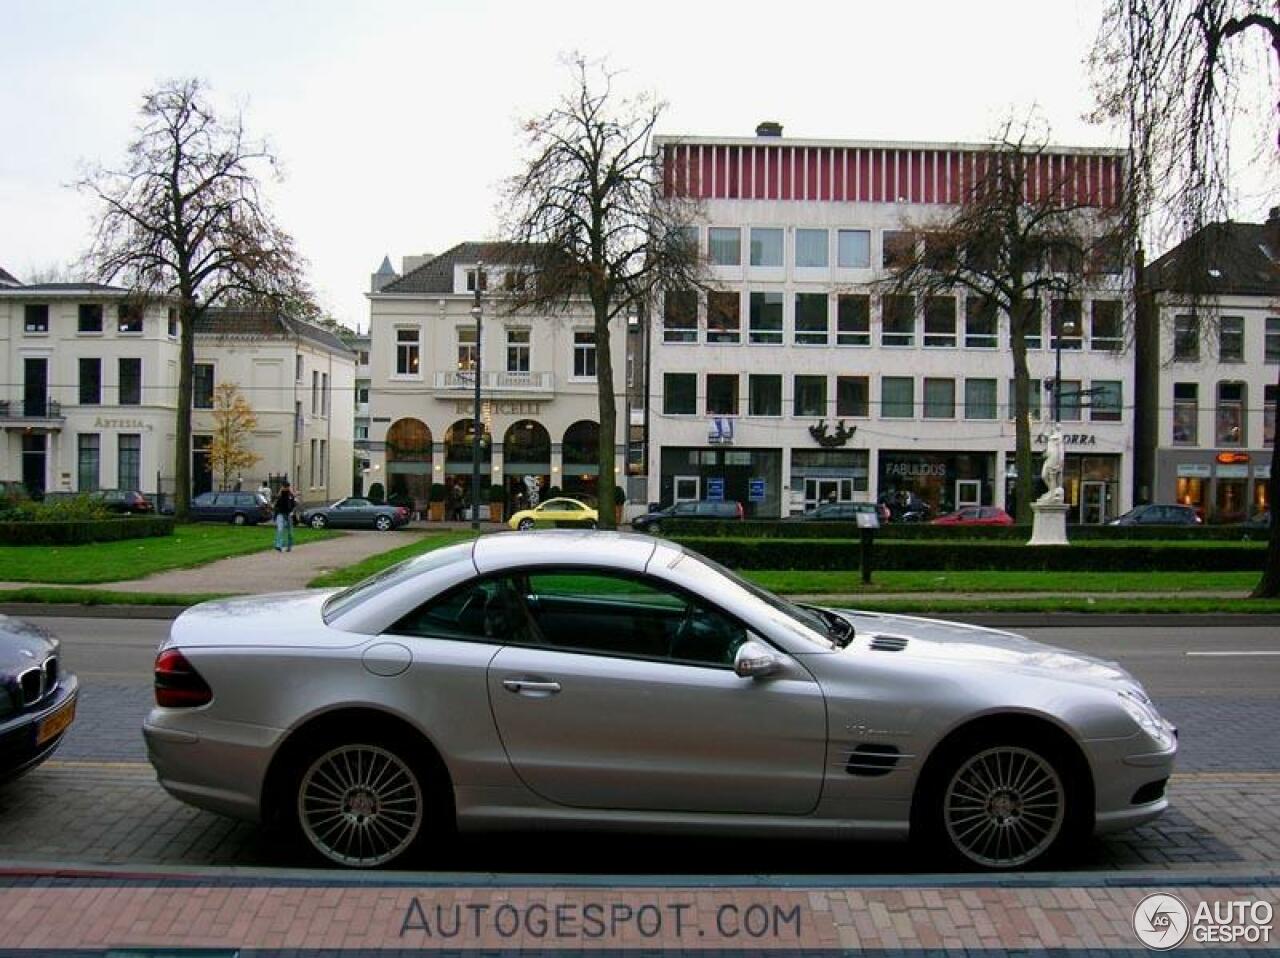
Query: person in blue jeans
285 504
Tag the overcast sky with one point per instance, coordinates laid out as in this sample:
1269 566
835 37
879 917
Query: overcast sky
396 122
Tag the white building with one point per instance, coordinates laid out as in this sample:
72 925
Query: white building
540 409
1209 373
795 380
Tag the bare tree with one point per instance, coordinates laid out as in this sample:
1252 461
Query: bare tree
183 221
233 424
1173 72
590 216
1022 233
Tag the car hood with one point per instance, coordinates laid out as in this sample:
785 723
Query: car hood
978 647
22 644
280 618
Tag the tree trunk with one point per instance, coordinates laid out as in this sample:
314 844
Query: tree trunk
1021 412
182 440
608 418
1268 586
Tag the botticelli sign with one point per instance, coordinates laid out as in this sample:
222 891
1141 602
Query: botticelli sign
463 407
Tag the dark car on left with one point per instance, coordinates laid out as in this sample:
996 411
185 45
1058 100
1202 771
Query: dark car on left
128 501
353 513
37 697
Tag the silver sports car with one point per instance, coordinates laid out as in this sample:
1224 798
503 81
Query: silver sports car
595 680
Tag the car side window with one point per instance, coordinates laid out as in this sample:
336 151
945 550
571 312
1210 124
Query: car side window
487 610
685 508
616 614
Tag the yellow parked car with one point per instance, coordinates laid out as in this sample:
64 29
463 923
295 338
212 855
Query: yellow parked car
555 514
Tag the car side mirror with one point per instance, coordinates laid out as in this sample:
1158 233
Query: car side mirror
754 660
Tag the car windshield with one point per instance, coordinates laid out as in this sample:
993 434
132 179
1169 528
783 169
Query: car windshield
379 582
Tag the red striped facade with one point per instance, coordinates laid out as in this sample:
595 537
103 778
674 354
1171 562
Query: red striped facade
875 174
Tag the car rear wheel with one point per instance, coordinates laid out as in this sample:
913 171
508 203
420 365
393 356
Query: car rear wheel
362 804
1002 805
382 523
591 523
525 525
238 519
319 522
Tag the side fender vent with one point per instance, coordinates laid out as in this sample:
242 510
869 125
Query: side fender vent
872 761
888 643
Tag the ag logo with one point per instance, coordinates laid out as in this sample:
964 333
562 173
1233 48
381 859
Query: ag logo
1161 921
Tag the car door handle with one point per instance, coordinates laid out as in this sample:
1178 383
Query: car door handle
523 686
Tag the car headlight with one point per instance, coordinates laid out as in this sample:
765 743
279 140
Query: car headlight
1144 714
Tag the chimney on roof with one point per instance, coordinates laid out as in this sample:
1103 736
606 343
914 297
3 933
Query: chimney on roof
769 128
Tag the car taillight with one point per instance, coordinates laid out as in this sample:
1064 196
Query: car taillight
178 684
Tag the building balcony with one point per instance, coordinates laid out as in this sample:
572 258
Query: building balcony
462 382
31 412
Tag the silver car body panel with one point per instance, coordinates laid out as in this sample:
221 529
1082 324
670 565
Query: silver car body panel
633 743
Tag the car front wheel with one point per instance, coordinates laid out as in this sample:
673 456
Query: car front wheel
525 525
238 519
382 523
319 522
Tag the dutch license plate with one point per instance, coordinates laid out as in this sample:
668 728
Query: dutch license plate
56 723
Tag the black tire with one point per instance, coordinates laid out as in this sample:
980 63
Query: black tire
340 818
591 523
319 522
238 519
999 803
382 523
525 525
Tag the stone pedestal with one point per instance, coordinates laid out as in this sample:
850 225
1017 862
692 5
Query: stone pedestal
1050 525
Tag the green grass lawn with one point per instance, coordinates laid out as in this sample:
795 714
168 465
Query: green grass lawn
190 545
376 563
800 583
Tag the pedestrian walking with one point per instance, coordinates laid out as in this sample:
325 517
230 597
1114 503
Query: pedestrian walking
284 509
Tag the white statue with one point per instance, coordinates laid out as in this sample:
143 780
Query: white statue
1051 471
532 484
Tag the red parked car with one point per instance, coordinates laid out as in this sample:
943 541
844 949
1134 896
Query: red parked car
975 516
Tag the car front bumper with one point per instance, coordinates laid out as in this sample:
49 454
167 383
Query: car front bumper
1131 778
20 750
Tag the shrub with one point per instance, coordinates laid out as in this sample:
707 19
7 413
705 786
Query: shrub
775 529
65 532
377 493
62 508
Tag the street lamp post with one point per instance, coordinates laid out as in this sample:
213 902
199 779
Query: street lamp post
478 313
1066 326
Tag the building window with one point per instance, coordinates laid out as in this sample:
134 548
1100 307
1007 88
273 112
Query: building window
35 318
362 357
297 421
1108 256
129 318
88 457
584 353
362 395
979 323
129 461
1272 348
853 320
130 385
853 249
1186 413
766 247
766 318
810 396
1230 423
407 347
1069 401
1033 399
466 349
1231 339
471 281
724 246
315 448
939 398
724 317
853 396
89 318
1106 400
1067 258
764 395
680 394
324 459
898 319
90 381
812 322
722 394
324 394
173 322
362 431
1186 338
980 399
1032 324
518 342
1269 416
899 248
297 366
1105 332
940 321
897 397
812 248
202 386
315 392
680 316
1064 316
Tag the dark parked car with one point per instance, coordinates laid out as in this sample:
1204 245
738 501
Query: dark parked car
975 516
706 509
841 512
1154 514
355 513
127 501
37 698
238 508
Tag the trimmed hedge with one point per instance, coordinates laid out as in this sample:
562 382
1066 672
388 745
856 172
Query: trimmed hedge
775 529
845 555
79 532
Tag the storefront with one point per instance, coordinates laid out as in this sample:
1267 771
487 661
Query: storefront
1090 485
944 481
749 476
826 475
526 464
580 453
1221 486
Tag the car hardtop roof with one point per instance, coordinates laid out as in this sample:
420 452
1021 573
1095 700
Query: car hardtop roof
619 550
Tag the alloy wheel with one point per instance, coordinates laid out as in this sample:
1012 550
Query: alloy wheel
526 525
318 522
1004 807
360 805
382 523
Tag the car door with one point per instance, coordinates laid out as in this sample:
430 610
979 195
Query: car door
627 700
